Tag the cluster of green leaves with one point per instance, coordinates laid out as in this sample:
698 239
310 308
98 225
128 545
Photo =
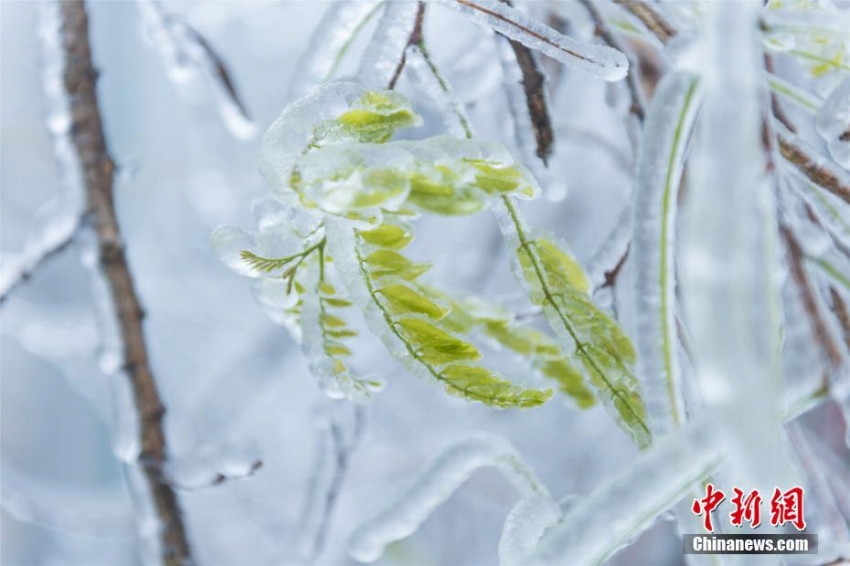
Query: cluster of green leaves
557 283
370 186
416 318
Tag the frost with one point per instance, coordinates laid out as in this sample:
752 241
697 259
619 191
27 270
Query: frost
340 25
598 60
386 48
634 498
833 123
409 509
427 79
659 169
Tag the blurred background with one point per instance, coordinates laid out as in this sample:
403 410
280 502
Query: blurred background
234 383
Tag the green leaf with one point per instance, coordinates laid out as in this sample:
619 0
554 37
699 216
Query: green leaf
441 197
384 263
435 346
494 178
481 384
387 236
377 116
404 300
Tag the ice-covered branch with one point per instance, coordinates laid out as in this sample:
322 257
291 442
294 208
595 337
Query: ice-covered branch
533 85
50 242
69 21
328 475
598 60
638 105
815 168
383 58
649 16
820 330
409 509
659 171
634 497
185 52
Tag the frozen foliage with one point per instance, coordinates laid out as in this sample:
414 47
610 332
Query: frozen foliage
380 62
526 523
659 170
410 508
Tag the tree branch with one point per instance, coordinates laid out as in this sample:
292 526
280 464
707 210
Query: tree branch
98 173
653 21
820 330
638 106
33 259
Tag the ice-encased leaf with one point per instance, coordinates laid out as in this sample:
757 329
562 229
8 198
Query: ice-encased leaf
598 60
526 523
659 169
530 344
833 123
325 332
556 282
410 508
382 282
338 112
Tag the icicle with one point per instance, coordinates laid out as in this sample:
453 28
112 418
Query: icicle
833 123
659 170
523 528
554 188
437 483
630 502
184 53
211 465
336 31
386 48
598 60
731 260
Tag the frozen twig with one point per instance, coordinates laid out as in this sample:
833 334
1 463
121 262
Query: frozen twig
820 330
650 17
415 39
638 105
813 168
36 255
533 83
98 170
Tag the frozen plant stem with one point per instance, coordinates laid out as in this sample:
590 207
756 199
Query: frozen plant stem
98 172
653 21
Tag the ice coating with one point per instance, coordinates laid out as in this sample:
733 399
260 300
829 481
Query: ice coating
630 502
731 263
427 79
598 60
210 465
526 523
833 123
385 50
410 508
659 169
340 24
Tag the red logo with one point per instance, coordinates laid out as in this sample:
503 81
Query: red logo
785 507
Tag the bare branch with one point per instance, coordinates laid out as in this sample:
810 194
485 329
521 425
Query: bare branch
13 276
653 21
98 170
